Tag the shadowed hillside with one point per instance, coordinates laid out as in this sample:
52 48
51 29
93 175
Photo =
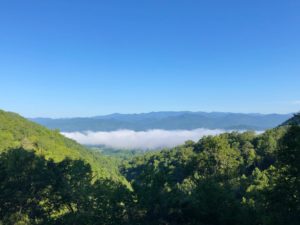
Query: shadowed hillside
295 120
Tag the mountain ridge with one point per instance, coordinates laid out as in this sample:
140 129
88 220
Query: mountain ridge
295 120
168 120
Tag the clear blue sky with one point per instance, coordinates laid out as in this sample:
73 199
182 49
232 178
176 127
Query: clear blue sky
62 58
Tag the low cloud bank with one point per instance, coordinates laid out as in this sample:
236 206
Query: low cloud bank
129 139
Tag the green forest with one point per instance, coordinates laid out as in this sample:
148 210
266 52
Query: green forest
229 179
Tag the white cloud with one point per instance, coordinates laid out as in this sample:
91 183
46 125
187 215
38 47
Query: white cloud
129 139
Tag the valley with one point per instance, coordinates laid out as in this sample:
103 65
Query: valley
228 178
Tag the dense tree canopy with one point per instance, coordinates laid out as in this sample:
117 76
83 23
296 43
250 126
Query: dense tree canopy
38 191
16 132
232 178
229 179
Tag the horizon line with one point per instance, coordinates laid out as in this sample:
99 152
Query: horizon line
149 112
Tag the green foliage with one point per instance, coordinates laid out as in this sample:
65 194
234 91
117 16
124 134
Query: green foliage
34 190
16 132
232 178
285 193
229 179
116 157
295 120
217 157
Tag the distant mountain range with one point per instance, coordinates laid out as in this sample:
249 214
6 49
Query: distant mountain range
184 120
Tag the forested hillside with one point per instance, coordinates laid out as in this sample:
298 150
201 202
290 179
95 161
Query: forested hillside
229 179
16 132
295 120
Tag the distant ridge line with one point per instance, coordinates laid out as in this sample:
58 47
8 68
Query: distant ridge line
167 120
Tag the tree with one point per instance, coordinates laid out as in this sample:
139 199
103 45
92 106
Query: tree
24 186
284 198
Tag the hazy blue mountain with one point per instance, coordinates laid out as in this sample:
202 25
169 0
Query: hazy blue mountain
167 120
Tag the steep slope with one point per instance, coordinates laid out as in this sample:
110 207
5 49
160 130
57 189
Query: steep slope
167 121
295 120
16 131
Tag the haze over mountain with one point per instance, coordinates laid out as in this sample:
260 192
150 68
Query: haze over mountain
222 179
156 130
184 120
195 140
